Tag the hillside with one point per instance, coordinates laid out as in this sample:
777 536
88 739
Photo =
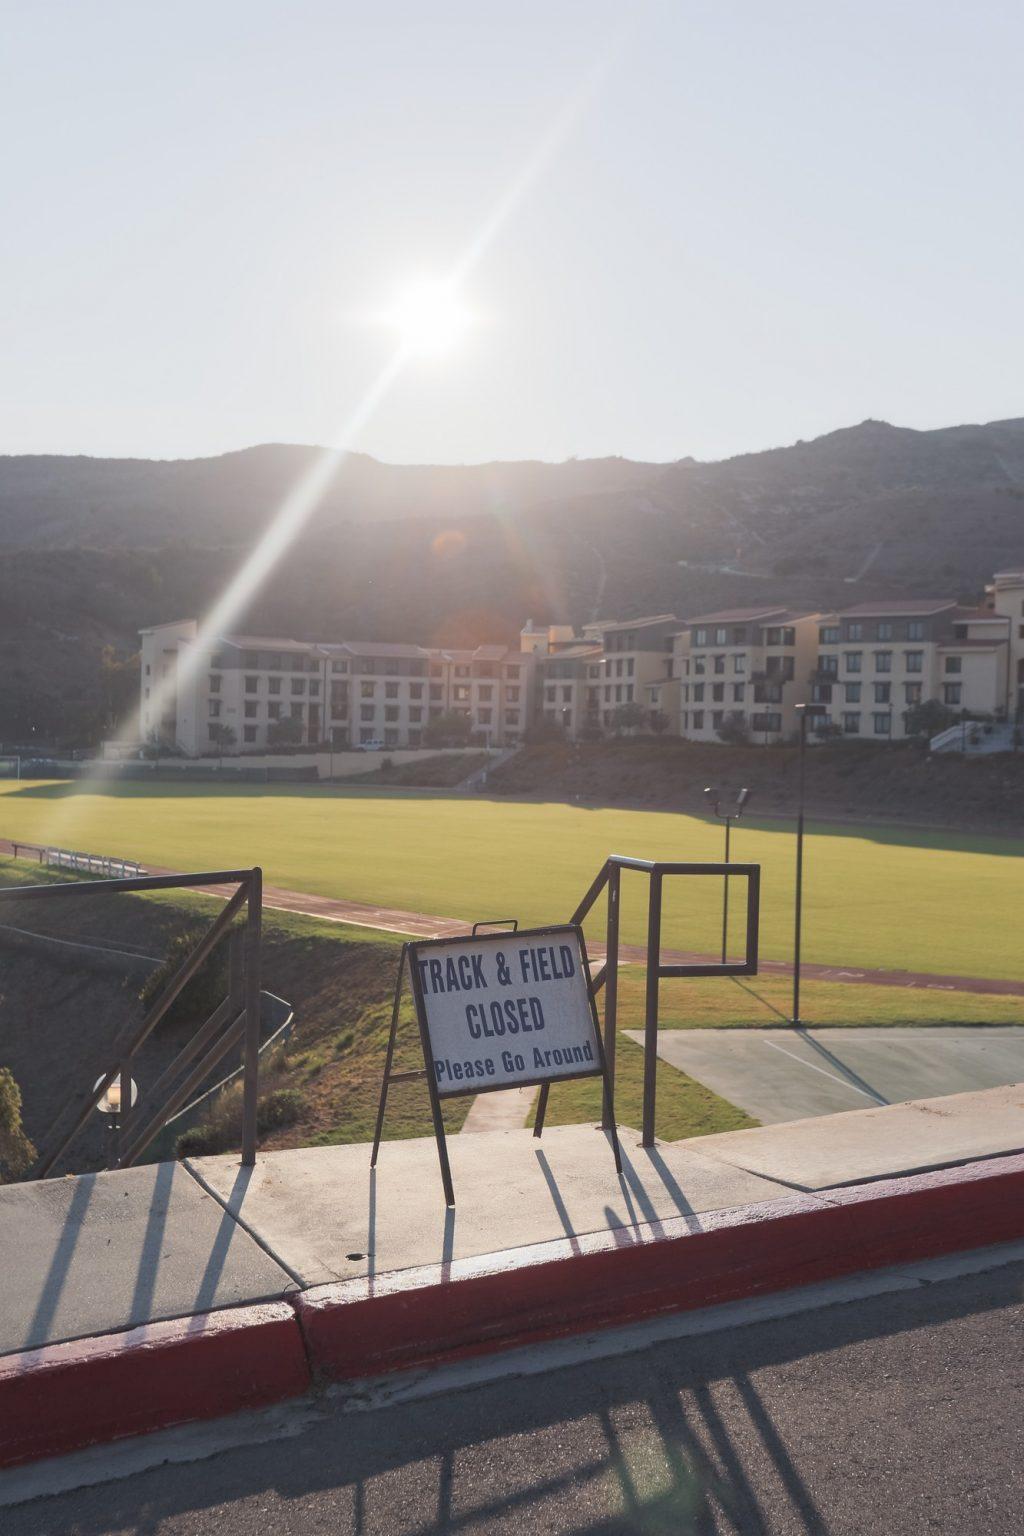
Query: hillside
92 549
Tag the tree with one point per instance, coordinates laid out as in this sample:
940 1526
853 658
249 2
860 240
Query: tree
452 729
659 722
223 736
286 732
628 717
734 730
826 729
17 1154
929 718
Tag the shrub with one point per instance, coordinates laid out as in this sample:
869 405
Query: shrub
202 994
17 1154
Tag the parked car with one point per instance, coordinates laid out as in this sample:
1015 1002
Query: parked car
370 746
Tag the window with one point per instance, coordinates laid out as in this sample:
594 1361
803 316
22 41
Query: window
719 664
215 709
366 734
298 685
700 637
249 733
885 631
883 723
566 693
883 692
851 724
739 664
698 719
391 712
415 713
952 693
250 709
274 684
486 690
618 693
883 661
721 637
366 711
338 665
698 666
252 685
366 690
828 634
461 671
913 661
314 687
915 630
718 692
273 711
717 717
737 693
512 669
954 664
698 693
829 665
512 694
855 631
484 716
215 681
437 691
295 711
852 693
852 661
912 692
391 690
251 659
460 693
511 717
415 691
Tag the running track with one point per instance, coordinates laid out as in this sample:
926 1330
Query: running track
421 925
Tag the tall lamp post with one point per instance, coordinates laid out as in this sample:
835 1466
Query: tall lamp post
801 710
728 817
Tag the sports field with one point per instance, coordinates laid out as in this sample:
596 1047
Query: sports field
875 896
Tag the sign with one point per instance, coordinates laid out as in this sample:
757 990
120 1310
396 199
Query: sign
499 1011
502 1010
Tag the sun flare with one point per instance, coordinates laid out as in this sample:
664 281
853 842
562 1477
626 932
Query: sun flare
428 318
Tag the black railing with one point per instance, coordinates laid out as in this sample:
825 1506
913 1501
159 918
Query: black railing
610 876
236 1020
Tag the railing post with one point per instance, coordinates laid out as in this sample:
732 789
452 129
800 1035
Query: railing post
651 1011
250 1089
611 982
126 1108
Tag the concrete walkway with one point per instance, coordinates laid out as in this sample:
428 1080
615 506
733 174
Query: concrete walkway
103 1252
788 1074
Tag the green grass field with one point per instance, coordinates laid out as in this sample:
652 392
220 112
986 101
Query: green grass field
875 896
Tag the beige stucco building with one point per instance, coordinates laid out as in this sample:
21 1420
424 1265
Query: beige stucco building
748 666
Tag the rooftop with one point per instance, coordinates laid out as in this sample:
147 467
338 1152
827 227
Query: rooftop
897 608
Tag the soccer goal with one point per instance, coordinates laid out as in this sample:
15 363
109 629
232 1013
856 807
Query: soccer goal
10 767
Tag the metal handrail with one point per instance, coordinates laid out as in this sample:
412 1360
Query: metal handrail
240 1012
657 870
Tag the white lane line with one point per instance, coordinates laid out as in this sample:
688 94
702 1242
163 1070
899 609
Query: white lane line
811 1067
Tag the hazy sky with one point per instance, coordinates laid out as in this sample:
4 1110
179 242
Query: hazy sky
747 222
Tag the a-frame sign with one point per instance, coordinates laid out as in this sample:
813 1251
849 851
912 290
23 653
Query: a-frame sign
498 1010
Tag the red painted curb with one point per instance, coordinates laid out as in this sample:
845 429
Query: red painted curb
66 1396
441 1312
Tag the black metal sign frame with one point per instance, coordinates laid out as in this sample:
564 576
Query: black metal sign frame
408 961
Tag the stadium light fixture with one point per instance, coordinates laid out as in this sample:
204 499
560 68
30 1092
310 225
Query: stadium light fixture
714 800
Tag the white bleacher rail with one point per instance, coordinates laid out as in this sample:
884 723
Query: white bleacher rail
91 863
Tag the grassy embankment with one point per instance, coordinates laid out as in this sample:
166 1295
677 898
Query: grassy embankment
340 982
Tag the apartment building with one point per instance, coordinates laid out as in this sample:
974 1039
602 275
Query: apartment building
877 661
234 693
1006 596
744 665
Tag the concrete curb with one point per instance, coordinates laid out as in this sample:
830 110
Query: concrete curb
67 1396
422 1316
64 1397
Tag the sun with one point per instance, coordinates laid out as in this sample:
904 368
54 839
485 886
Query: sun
428 318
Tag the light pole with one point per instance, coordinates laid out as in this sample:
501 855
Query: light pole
801 710
728 817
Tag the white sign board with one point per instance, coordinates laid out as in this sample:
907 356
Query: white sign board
506 1009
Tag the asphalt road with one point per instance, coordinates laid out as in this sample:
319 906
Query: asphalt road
887 1416
792 1074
